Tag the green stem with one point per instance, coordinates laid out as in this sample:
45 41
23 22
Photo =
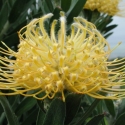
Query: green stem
88 112
11 117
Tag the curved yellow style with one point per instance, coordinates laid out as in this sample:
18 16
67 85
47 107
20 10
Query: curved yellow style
50 64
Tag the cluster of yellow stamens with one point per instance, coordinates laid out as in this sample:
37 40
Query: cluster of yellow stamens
110 7
57 62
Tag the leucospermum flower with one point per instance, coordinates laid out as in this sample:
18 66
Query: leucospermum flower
54 63
110 7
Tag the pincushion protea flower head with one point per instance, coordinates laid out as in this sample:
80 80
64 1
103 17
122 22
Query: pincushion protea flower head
57 62
110 7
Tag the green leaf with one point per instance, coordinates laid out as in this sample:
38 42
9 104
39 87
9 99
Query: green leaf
14 101
50 5
19 7
107 35
40 117
96 120
26 104
14 40
109 28
45 8
65 4
1 4
110 107
87 14
56 113
121 108
102 22
10 3
109 19
87 113
100 107
14 29
95 15
75 9
2 118
3 16
73 102
56 14
120 120
41 105
11 117
31 118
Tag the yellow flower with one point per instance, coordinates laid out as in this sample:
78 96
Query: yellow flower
53 63
110 7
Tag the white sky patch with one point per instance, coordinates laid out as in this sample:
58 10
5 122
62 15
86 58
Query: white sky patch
118 36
